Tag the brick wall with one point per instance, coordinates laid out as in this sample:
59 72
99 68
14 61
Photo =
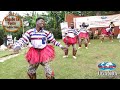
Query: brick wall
69 18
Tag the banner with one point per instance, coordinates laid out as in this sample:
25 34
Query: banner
64 27
98 21
9 39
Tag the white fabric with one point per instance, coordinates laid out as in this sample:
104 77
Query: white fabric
118 37
38 43
119 27
83 30
70 35
107 29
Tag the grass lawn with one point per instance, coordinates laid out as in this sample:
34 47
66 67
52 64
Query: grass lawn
84 67
3 53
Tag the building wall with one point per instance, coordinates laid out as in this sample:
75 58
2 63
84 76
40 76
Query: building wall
69 18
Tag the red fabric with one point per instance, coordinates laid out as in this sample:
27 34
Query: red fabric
106 33
83 35
69 41
34 56
87 35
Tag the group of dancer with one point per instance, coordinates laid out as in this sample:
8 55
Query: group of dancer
41 52
109 32
75 36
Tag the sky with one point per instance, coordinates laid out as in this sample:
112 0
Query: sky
5 13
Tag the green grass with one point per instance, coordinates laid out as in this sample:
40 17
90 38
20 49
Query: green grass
84 67
3 53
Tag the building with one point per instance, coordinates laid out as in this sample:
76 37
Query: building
69 19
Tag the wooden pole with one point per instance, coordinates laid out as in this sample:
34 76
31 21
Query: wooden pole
23 25
65 16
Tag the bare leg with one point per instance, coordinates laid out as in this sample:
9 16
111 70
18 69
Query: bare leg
86 43
102 38
74 51
88 40
66 51
79 43
111 38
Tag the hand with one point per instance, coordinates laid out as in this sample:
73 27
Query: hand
64 48
63 37
10 46
16 49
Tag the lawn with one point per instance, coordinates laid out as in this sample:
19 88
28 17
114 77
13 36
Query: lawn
84 67
3 53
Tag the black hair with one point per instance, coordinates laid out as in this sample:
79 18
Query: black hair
39 18
111 22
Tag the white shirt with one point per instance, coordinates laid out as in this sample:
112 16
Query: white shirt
38 39
71 32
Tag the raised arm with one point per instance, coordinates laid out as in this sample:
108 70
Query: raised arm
22 41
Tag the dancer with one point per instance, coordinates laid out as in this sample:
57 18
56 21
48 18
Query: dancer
83 35
40 52
70 38
112 26
106 32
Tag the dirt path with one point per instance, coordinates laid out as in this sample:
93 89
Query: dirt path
8 57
